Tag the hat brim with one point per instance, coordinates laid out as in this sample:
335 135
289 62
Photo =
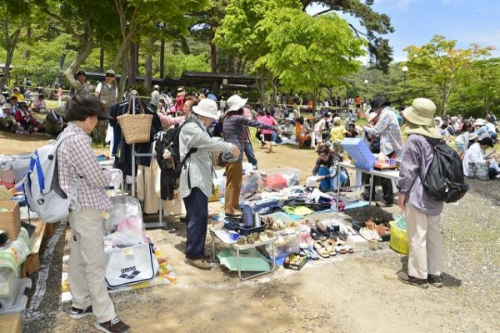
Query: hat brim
241 103
412 117
104 116
199 111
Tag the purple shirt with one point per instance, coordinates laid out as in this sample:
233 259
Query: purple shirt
415 161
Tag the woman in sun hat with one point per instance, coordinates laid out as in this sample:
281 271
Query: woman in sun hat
234 131
422 212
196 176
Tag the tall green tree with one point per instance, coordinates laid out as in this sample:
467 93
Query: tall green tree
306 53
443 64
376 25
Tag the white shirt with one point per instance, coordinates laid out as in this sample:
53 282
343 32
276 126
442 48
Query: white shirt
490 127
474 154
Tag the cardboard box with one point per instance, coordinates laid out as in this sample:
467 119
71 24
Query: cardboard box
10 220
10 323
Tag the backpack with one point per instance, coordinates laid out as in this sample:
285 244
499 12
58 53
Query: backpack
41 187
168 158
444 180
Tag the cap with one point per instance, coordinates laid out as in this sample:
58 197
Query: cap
110 72
486 141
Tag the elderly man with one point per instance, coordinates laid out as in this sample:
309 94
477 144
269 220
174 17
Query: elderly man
386 126
107 92
80 85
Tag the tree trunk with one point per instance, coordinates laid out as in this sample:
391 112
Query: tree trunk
213 56
162 58
62 58
125 70
134 56
148 80
10 46
101 58
69 73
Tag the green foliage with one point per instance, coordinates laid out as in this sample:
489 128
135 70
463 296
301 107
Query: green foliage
442 64
307 52
178 63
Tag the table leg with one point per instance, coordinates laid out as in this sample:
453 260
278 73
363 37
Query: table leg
213 248
371 190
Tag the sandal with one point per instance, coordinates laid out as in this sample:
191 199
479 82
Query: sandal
312 253
340 249
317 235
321 250
329 247
348 248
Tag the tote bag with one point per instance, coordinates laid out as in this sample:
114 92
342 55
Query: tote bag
130 265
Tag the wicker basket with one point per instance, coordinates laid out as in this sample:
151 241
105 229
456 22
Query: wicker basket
136 128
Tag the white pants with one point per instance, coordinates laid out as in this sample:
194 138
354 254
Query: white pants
87 264
426 243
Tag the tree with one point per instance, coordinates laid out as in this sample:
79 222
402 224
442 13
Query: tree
308 52
15 15
375 23
443 64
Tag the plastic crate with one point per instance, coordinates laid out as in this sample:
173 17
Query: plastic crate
359 151
399 239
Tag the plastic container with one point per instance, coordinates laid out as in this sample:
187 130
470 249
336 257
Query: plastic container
8 290
399 239
358 243
278 179
287 241
359 151
20 297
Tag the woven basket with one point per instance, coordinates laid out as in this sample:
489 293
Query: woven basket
136 128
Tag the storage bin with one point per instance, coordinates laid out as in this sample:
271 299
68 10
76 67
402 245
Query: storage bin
399 239
8 287
359 151
287 241
10 220
278 179
19 299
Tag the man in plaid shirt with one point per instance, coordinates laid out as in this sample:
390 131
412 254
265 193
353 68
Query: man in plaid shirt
87 265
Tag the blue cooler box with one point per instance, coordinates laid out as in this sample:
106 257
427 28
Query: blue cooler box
359 151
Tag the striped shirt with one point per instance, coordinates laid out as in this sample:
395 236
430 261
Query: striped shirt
75 158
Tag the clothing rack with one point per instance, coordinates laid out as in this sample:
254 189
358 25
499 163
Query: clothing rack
150 225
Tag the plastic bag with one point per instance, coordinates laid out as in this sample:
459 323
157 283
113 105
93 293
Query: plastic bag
400 221
123 209
251 183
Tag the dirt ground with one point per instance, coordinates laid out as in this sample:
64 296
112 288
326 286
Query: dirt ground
348 293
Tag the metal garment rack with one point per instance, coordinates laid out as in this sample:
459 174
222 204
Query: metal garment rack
149 225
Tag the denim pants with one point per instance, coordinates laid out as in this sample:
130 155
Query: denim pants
330 183
196 220
250 154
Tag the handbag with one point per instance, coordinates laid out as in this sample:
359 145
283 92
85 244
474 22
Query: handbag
130 265
136 127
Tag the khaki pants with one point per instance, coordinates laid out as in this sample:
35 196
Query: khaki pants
87 264
234 175
426 243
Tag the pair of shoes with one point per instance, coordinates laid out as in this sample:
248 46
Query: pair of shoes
383 203
113 326
405 278
435 280
77 313
199 263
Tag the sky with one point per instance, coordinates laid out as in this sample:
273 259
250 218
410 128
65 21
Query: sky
417 21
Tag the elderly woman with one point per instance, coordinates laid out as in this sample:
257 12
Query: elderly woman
87 266
196 147
234 132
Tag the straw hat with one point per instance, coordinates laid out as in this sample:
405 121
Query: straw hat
235 103
420 117
207 108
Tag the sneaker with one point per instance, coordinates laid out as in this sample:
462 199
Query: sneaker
405 278
77 313
435 280
113 326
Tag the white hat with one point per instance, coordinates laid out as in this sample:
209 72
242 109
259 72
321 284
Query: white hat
479 122
157 86
235 103
6 106
207 108
110 72
472 136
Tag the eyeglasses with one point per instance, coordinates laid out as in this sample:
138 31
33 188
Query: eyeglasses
110 75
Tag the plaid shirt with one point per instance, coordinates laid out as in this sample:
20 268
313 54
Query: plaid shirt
75 158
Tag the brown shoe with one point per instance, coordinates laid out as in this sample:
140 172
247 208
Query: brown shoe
405 278
199 263
113 326
435 280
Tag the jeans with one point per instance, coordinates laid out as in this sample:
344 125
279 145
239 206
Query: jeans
330 183
250 154
196 219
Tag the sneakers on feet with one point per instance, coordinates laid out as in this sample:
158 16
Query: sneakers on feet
405 278
76 313
435 280
113 326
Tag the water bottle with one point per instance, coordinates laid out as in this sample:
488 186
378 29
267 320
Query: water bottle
257 222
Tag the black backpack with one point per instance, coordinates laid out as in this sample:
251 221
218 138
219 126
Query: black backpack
445 180
172 166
